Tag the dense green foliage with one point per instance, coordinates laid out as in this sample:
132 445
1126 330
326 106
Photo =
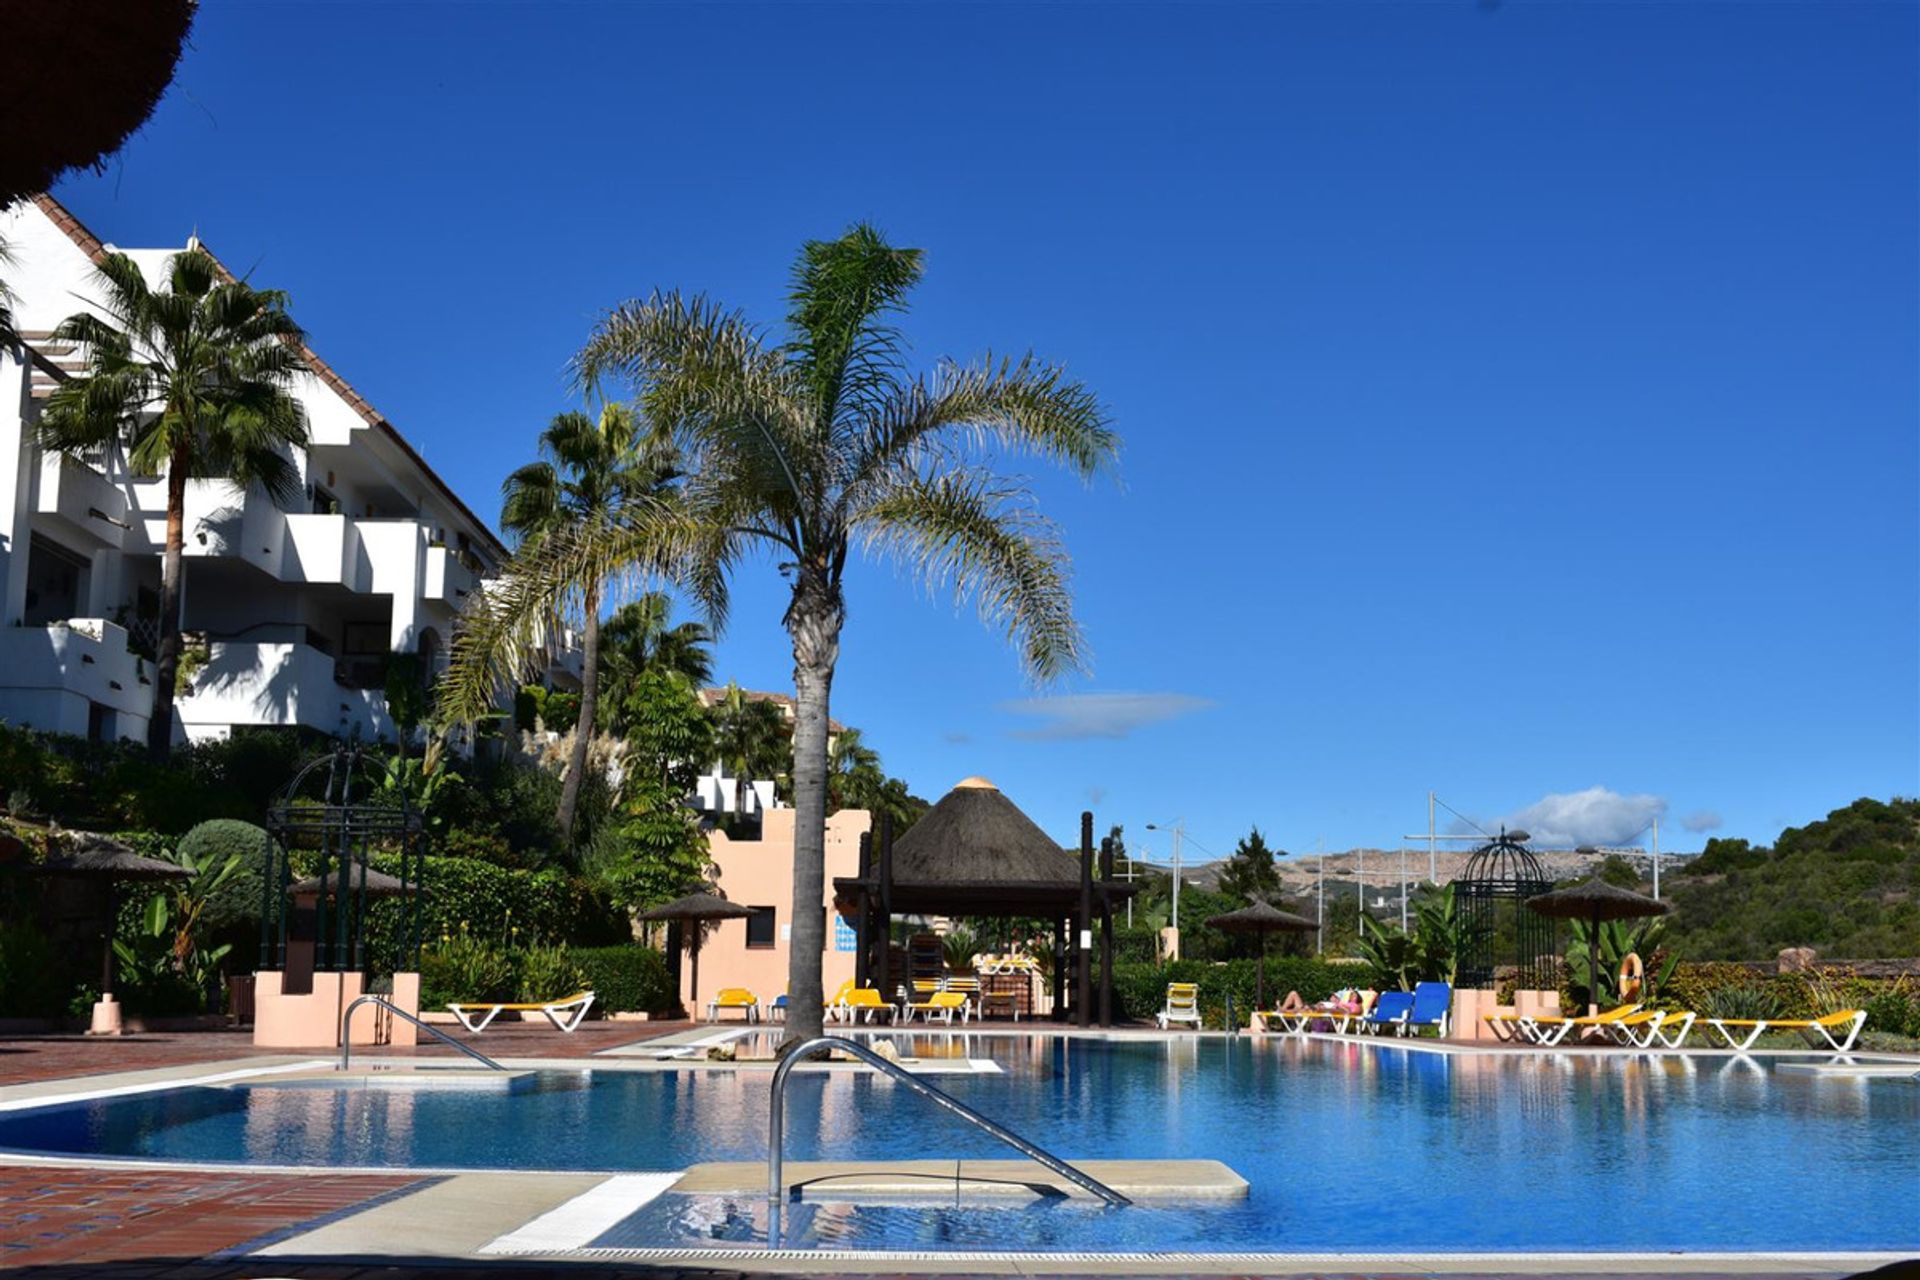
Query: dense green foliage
1848 886
628 978
233 905
1429 952
112 786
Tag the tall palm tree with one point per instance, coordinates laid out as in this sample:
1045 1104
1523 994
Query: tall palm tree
640 641
588 470
191 380
807 449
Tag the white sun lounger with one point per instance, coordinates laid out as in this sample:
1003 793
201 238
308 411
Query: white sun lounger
565 1014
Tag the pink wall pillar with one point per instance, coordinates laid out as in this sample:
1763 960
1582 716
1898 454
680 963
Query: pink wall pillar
312 1020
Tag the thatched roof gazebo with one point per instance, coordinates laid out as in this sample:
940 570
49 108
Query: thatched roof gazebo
76 78
108 863
976 854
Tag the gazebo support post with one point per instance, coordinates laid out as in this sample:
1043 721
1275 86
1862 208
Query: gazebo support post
1106 932
1083 927
863 915
886 906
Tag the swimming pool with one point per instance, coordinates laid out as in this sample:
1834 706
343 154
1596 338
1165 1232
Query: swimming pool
1346 1145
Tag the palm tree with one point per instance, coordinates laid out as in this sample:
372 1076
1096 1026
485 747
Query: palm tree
191 380
751 739
638 638
809 448
588 470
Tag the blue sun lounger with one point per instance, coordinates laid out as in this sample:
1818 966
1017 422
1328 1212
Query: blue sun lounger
1432 1005
1390 1010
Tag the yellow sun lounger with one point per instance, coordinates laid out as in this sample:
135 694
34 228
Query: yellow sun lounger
1548 1030
734 998
862 1003
1506 1026
944 1003
1847 1023
1183 1005
565 1014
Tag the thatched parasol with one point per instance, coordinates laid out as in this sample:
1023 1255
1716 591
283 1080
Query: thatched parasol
1595 900
77 77
975 834
696 909
378 884
90 856
1263 919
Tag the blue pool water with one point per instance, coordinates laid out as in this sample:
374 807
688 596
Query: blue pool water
1347 1146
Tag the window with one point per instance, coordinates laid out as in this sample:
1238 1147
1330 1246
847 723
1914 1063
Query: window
760 927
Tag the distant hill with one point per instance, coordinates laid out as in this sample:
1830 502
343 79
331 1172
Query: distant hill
1847 886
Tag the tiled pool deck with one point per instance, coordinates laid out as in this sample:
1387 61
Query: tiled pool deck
68 1220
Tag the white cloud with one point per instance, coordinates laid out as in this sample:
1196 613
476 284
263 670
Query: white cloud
1100 715
1596 816
1701 820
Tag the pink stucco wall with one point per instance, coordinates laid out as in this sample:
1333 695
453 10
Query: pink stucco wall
759 873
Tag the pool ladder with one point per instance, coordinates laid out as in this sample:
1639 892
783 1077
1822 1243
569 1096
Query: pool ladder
346 1027
776 1122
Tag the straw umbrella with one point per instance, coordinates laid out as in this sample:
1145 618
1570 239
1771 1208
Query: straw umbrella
1595 900
1261 919
375 884
108 862
696 909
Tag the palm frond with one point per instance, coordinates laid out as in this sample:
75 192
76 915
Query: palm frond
506 626
1022 405
843 348
983 539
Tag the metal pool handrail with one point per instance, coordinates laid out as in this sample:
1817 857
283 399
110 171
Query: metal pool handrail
346 1027
776 1121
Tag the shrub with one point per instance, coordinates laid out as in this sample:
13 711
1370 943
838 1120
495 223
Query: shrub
1138 945
546 973
32 981
1892 1012
504 907
235 904
626 979
462 967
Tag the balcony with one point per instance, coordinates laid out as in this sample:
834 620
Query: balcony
83 498
50 675
448 579
279 682
321 549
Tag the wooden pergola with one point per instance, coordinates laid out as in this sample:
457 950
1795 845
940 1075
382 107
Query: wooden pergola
976 854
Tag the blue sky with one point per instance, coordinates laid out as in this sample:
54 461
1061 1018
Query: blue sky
1518 400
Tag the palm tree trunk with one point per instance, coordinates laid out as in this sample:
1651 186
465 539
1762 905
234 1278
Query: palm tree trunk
583 727
814 620
167 657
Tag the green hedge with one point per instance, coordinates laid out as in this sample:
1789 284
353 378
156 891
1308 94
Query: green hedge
1140 991
501 906
630 978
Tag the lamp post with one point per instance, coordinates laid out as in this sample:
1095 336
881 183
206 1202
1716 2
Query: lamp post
1178 830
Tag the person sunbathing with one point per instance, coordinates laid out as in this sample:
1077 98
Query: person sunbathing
1292 1004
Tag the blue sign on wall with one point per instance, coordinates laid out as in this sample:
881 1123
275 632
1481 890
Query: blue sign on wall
843 936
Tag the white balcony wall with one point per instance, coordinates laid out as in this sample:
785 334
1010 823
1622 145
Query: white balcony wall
54 672
84 499
278 683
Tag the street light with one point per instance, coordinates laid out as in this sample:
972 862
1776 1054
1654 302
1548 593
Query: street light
1178 831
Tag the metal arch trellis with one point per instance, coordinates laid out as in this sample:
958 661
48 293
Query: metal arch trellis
1502 871
335 807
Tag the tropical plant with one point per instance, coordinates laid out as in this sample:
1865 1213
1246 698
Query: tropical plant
808 449
547 973
957 949
1754 1003
588 472
1646 938
1429 953
193 380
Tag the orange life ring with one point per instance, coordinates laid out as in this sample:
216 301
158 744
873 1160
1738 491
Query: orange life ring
1633 976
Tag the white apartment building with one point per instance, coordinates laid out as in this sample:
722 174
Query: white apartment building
291 612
